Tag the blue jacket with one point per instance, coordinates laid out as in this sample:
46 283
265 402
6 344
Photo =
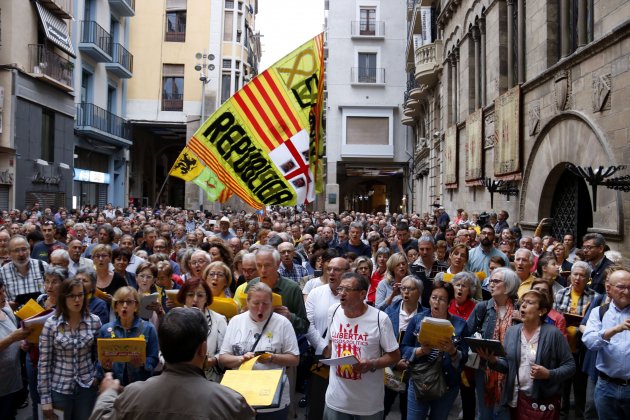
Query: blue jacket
99 308
393 312
410 342
139 327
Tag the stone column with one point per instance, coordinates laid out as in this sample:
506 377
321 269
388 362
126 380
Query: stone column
482 32
521 41
475 36
564 28
455 76
582 13
510 43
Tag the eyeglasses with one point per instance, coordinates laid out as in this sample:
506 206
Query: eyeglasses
127 302
50 282
622 288
20 250
438 299
342 289
408 289
76 297
589 247
197 295
216 274
198 262
529 302
495 281
101 256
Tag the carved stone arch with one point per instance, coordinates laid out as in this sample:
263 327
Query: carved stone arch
451 42
569 137
474 12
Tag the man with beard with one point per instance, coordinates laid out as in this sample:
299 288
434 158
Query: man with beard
23 276
42 250
593 245
479 257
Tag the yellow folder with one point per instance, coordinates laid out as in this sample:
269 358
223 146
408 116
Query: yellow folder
121 349
261 388
434 330
224 306
30 309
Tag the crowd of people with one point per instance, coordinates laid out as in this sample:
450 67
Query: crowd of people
208 293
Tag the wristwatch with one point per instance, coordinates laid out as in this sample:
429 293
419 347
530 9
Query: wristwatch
373 368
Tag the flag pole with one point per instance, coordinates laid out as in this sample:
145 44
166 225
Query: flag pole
157 200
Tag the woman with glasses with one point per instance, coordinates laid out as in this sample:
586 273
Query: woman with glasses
400 313
197 294
451 354
198 262
53 277
218 277
67 369
363 266
537 362
126 304
107 281
491 318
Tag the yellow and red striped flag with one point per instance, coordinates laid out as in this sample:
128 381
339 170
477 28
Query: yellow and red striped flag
266 143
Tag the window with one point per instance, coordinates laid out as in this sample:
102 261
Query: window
239 24
228 26
227 64
173 87
86 86
367 24
367 68
229 4
176 26
226 88
48 135
367 130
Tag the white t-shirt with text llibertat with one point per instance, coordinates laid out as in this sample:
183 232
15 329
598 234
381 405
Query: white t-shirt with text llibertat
352 392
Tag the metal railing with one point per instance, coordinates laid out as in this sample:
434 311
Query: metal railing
175 36
172 101
90 115
93 33
45 61
123 57
367 75
367 28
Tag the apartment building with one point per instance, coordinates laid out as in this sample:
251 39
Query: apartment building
192 55
367 155
506 98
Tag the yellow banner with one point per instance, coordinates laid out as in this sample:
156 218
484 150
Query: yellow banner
266 143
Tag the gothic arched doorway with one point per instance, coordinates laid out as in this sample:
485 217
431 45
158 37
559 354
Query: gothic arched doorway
571 207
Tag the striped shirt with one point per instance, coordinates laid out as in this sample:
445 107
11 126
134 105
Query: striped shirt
16 284
67 358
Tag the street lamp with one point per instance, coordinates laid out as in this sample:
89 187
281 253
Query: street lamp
203 64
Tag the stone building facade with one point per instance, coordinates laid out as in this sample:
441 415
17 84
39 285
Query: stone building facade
513 92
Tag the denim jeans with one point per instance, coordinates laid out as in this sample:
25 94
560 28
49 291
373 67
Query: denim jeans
439 407
495 412
76 406
32 373
330 414
612 400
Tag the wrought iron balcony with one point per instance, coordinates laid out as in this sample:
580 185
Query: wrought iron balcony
368 75
50 66
96 122
368 28
428 61
175 37
60 8
95 41
123 7
122 62
173 102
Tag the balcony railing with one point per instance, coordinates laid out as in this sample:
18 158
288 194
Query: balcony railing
368 75
95 41
60 8
97 118
45 62
123 7
370 28
428 61
121 56
173 102
175 36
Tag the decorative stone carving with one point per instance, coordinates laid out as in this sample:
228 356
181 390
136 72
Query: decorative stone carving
534 118
602 88
562 89
489 134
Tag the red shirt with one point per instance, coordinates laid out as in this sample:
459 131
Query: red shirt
374 281
462 311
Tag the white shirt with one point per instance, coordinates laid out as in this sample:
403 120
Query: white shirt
317 305
352 392
524 381
403 318
312 284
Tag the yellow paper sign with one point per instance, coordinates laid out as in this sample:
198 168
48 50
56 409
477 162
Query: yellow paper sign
30 309
121 349
276 300
172 295
434 330
36 324
259 387
224 306
101 295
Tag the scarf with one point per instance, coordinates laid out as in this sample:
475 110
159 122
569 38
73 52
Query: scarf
495 381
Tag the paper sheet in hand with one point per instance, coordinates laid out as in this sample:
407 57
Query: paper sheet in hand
492 346
121 349
261 388
36 323
434 330
29 309
224 306
345 360
145 301
249 365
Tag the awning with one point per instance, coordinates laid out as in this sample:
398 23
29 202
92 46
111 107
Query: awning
56 29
